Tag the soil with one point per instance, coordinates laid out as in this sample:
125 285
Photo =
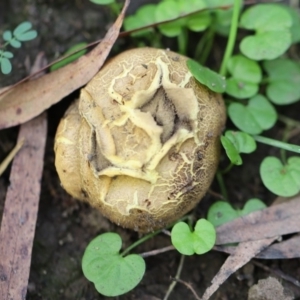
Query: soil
65 226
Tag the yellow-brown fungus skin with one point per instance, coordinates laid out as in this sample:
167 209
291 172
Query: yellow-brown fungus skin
142 142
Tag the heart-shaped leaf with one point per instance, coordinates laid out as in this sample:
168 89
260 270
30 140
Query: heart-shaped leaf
257 116
272 24
283 82
246 74
200 241
282 180
222 212
231 151
243 142
111 273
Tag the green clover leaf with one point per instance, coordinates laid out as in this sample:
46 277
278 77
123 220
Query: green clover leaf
199 241
111 273
257 116
283 82
222 212
282 180
272 38
246 75
236 142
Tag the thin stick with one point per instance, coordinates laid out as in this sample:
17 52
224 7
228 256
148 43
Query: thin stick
189 286
176 279
278 273
10 156
157 251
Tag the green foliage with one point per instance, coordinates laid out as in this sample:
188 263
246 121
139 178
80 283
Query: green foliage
283 81
21 33
272 38
103 2
70 58
209 78
200 241
236 142
112 274
246 76
282 180
253 118
222 212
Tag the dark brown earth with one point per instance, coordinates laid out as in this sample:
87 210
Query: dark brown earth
65 226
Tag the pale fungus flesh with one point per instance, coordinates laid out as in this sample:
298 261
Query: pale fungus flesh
142 142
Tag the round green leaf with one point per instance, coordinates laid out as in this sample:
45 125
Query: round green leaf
242 141
295 29
7 35
257 116
111 273
6 66
273 37
251 206
200 241
245 69
220 213
198 22
266 45
27 36
144 16
6 54
15 43
282 180
22 28
266 17
209 78
240 89
284 78
231 151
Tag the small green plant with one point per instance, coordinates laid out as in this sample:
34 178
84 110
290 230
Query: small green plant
21 33
222 212
260 78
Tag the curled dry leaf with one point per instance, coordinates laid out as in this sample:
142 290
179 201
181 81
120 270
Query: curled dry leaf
142 142
27 100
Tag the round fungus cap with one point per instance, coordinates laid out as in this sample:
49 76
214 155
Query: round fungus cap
141 143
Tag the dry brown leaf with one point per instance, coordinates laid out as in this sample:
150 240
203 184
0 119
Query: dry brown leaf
243 253
272 221
20 210
29 99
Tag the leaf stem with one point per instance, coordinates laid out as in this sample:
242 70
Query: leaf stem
278 144
232 36
140 241
222 185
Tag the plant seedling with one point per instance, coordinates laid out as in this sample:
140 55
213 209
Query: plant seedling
200 241
21 33
255 117
246 76
283 81
236 142
222 212
111 273
282 180
272 37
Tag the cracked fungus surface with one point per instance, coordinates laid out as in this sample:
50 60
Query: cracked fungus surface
142 142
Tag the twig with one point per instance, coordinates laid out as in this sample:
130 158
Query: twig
157 251
4 164
278 273
189 286
173 284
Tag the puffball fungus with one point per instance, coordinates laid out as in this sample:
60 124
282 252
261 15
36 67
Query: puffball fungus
142 142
